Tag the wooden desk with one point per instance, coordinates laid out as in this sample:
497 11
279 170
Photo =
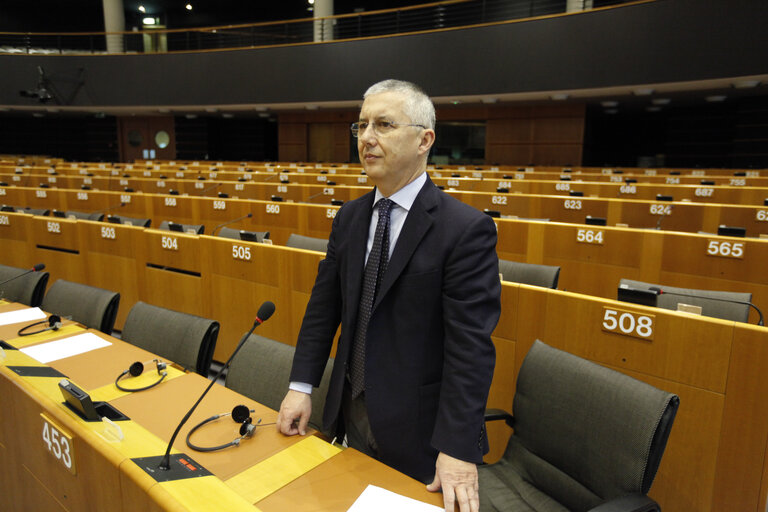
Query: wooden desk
106 478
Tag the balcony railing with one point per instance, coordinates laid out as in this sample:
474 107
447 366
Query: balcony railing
419 18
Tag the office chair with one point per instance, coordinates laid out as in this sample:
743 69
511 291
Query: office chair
129 221
97 216
529 273
717 304
197 229
185 339
586 438
28 289
261 370
307 242
239 234
35 211
93 307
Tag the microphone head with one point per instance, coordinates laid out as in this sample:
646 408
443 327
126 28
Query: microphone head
266 310
38 267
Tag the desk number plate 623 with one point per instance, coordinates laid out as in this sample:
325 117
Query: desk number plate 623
59 443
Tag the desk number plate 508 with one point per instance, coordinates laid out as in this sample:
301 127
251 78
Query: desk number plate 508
59 443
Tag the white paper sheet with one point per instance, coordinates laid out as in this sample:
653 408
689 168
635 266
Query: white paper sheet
376 499
21 315
67 347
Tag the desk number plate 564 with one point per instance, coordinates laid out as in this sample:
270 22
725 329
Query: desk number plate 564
59 443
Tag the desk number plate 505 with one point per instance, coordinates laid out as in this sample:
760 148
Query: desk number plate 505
59 443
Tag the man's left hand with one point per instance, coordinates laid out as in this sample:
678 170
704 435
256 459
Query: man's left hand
458 480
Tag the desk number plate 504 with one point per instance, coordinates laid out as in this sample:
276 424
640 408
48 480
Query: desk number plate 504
59 443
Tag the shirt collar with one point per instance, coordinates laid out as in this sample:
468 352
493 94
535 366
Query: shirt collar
405 197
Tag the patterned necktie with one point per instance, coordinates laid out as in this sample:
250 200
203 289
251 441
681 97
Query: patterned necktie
374 270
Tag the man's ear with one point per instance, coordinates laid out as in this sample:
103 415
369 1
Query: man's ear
427 139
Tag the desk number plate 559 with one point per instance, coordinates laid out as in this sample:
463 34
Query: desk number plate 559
59 443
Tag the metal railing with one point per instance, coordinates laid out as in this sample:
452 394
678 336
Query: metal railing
419 18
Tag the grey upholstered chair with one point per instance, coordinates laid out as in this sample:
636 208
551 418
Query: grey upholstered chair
529 273
586 438
35 211
97 216
237 234
28 289
197 229
713 303
185 339
93 307
261 369
307 242
131 221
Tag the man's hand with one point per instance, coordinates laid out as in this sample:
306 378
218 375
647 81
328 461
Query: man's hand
294 413
458 479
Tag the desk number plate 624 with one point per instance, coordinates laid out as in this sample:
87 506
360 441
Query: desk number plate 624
59 443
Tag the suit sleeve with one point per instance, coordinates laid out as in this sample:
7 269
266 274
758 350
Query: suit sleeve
321 318
471 309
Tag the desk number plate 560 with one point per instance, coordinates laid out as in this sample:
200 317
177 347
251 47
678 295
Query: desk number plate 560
59 443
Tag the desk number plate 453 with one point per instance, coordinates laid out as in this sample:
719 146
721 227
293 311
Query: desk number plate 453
59 443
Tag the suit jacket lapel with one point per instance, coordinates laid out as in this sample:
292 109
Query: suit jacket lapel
417 223
358 239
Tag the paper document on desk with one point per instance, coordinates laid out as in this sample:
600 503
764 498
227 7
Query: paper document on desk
375 499
67 347
21 315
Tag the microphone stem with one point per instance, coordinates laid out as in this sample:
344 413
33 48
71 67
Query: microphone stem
165 464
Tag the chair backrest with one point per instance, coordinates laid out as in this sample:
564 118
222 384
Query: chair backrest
259 236
713 303
185 339
529 273
585 432
307 242
131 221
35 211
197 229
28 289
98 216
261 370
93 307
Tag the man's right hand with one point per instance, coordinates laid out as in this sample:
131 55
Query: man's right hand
294 413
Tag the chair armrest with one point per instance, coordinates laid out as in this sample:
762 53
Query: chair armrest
629 503
499 414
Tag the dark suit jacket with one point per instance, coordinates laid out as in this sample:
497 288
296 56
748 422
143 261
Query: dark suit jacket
429 354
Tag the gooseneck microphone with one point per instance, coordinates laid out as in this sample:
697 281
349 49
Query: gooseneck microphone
213 233
660 291
265 311
37 268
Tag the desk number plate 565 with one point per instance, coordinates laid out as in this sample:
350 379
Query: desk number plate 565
59 443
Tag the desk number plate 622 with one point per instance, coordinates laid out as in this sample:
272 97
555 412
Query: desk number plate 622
59 443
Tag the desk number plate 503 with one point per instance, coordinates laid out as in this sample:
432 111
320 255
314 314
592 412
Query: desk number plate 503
59 443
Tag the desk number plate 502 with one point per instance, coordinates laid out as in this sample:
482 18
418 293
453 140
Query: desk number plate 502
59 443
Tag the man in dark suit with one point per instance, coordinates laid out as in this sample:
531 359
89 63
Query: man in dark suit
411 274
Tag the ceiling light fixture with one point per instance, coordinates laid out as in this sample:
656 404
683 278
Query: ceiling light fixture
148 21
142 9
559 96
643 92
188 7
653 109
489 101
661 101
609 104
716 98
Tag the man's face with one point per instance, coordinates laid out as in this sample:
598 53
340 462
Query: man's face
394 158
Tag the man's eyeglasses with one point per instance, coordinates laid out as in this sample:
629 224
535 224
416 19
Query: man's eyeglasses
380 127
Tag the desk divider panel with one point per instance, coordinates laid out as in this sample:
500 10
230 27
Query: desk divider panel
14 234
56 242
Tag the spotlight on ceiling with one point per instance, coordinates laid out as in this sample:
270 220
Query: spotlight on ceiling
188 7
142 9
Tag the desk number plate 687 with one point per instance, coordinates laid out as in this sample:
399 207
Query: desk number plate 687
58 443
